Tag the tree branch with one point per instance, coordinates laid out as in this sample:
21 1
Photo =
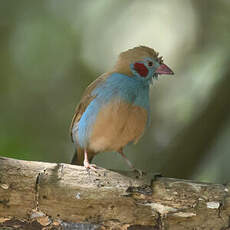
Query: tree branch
34 195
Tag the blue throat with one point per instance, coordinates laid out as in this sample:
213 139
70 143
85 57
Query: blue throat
132 90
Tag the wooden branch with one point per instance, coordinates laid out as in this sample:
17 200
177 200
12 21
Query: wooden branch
37 195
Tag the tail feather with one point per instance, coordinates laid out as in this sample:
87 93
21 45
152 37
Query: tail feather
74 160
78 157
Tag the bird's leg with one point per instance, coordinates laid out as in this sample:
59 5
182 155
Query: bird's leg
130 164
126 159
87 165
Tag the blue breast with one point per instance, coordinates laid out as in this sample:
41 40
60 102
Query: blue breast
116 86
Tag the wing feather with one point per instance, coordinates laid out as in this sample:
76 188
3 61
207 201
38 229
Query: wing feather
85 100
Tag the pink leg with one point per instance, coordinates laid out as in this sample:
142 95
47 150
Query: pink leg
126 159
129 163
87 165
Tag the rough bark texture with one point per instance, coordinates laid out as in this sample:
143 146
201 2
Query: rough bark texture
36 195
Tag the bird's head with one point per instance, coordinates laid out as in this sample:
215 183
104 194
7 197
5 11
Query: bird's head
141 62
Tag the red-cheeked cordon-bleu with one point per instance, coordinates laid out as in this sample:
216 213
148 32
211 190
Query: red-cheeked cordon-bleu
114 110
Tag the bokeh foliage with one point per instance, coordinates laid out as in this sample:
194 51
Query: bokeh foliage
51 50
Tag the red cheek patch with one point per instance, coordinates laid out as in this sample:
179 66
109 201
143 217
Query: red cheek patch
141 69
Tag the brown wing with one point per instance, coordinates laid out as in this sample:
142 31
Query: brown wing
85 101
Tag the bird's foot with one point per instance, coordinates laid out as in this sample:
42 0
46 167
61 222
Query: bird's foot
139 172
88 166
86 163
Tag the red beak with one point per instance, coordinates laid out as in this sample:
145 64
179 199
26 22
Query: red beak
164 69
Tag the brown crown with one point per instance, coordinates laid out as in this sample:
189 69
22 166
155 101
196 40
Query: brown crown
142 51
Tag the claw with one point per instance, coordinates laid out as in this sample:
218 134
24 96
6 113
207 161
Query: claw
139 172
87 165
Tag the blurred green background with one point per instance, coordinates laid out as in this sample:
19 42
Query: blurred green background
51 50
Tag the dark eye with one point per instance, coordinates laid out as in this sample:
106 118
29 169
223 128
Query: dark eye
150 63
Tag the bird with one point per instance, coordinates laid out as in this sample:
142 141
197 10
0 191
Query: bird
114 110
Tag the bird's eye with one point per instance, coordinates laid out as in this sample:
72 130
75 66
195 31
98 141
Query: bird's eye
150 63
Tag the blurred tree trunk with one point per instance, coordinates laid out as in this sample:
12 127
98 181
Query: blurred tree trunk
192 144
36 195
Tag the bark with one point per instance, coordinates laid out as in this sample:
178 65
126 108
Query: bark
37 195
